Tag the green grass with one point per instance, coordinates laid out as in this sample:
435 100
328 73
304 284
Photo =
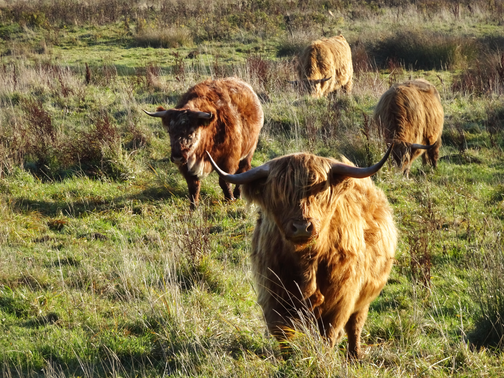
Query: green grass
104 270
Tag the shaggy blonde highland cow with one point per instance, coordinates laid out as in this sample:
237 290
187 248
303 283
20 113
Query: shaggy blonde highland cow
323 245
325 66
411 116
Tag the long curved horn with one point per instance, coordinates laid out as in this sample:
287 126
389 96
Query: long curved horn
156 114
204 115
356 172
320 81
423 146
241 178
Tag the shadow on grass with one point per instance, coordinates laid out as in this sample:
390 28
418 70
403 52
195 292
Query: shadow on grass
81 207
109 364
65 261
461 159
160 359
41 321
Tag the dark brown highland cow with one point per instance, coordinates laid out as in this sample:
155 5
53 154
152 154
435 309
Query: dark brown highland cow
325 66
324 243
411 116
221 116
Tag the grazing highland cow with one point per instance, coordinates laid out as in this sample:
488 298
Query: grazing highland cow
324 243
411 116
325 66
221 116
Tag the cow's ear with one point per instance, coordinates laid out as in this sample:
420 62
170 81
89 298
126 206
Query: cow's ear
160 109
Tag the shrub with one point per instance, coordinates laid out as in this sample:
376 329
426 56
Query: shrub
361 60
163 37
425 50
259 69
495 125
39 140
488 291
294 44
13 144
88 147
486 76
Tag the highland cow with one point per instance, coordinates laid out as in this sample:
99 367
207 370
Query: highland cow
325 66
323 244
221 116
411 116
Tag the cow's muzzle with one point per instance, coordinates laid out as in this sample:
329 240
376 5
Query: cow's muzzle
178 160
301 230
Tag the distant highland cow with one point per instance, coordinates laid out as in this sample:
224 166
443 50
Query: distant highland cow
221 116
323 245
411 116
325 66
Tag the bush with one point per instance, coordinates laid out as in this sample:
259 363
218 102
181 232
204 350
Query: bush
164 37
488 291
39 140
294 44
485 77
425 50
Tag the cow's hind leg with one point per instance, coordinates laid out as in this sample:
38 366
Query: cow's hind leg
244 166
353 329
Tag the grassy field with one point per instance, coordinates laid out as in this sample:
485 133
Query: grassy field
104 271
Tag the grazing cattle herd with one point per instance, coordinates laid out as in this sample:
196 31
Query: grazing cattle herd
325 237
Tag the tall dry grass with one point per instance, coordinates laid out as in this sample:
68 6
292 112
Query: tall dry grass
105 273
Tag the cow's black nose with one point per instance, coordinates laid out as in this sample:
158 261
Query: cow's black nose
176 159
301 228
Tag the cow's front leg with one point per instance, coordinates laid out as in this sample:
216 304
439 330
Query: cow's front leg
353 329
315 301
226 188
311 292
194 185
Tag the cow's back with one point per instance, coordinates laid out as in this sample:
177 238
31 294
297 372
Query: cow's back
410 112
248 110
238 112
